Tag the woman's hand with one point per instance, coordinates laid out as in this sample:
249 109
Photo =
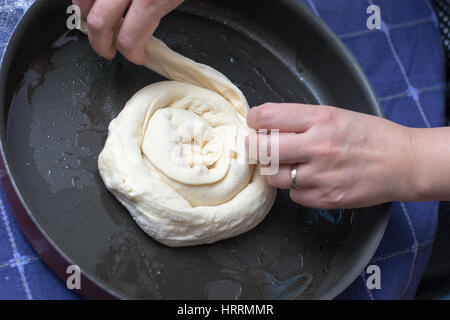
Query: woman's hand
142 18
343 158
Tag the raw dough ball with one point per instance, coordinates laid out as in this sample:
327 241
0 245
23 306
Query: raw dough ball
175 155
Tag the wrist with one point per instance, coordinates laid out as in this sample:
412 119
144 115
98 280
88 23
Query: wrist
416 187
432 165
409 182
426 169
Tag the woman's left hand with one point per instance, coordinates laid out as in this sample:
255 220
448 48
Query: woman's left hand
343 158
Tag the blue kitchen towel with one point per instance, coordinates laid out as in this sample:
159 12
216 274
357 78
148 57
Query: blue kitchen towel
404 63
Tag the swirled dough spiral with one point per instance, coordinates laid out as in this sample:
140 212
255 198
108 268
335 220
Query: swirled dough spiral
175 155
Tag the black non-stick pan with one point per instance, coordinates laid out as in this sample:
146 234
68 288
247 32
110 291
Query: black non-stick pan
57 98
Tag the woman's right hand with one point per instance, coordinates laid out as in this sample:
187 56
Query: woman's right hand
141 20
344 159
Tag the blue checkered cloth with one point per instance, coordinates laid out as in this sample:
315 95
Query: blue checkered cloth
405 64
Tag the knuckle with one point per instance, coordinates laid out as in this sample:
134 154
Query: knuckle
328 147
323 151
130 50
325 116
125 43
95 22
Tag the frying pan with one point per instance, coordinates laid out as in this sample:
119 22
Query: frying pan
57 98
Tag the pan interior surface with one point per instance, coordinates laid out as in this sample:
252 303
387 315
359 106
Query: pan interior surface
59 99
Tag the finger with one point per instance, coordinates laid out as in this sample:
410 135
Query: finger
288 148
102 19
141 21
314 197
308 197
287 117
282 179
85 7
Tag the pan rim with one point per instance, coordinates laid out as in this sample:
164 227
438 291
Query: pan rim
96 287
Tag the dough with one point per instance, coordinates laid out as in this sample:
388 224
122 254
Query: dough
175 155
